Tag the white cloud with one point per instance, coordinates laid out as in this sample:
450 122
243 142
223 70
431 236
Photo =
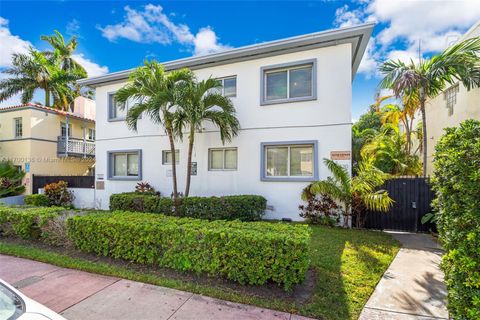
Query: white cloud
73 28
10 44
152 25
435 23
91 67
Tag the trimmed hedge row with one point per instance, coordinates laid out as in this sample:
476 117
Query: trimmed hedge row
457 186
37 200
253 253
243 207
26 223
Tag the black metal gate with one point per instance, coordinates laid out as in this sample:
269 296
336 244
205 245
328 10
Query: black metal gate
413 198
73 181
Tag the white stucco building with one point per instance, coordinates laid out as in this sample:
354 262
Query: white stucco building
293 101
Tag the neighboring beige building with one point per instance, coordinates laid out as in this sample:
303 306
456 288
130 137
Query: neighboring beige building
450 108
34 137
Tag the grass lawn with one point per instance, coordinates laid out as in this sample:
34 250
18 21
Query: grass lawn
347 264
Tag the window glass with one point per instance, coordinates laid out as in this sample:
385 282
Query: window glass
301 161
276 85
120 165
64 129
231 159
91 134
18 128
216 159
277 161
11 305
301 82
230 87
167 156
132 164
116 111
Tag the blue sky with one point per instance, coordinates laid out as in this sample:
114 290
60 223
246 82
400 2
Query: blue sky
117 35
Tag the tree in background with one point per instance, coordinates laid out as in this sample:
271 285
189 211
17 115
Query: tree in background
152 92
363 131
201 102
428 77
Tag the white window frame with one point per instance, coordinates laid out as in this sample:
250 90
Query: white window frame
68 130
223 158
92 134
263 170
164 157
450 97
288 67
111 164
18 127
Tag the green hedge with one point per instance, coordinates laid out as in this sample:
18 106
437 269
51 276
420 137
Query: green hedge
457 186
25 223
38 200
246 252
244 207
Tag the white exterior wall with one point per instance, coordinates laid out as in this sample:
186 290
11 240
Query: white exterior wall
326 119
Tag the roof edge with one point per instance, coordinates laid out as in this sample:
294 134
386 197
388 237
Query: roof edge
43 108
357 35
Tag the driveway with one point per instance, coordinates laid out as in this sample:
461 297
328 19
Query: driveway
412 287
82 295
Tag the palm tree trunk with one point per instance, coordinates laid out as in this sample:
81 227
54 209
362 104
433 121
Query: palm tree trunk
174 164
191 138
47 97
424 129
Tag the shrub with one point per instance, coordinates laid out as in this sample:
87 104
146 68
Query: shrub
37 200
457 185
320 209
253 252
25 223
58 194
245 207
10 180
146 188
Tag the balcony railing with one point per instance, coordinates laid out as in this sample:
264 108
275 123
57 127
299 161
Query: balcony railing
72 147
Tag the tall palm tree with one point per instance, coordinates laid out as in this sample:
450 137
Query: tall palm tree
201 102
345 189
64 52
34 71
155 93
429 77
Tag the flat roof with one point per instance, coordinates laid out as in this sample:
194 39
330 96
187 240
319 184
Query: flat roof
358 36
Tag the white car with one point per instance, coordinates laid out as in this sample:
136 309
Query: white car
15 305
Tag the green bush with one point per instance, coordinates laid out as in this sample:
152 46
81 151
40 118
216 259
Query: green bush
37 200
457 186
10 180
244 207
25 223
246 252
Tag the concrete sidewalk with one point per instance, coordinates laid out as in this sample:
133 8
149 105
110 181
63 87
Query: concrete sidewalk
412 287
81 295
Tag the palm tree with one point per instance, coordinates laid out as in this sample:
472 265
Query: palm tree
345 189
34 71
429 77
155 93
201 102
379 99
64 52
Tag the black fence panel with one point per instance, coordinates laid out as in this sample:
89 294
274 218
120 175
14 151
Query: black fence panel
73 181
413 198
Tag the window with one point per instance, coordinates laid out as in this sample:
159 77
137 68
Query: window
450 96
18 127
63 129
294 161
222 159
289 82
91 134
115 110
13 306
229 86
124 165
167 157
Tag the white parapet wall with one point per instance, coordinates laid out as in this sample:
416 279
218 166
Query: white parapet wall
84 197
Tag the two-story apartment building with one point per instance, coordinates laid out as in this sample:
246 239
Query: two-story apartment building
453 106
293 101
36 139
